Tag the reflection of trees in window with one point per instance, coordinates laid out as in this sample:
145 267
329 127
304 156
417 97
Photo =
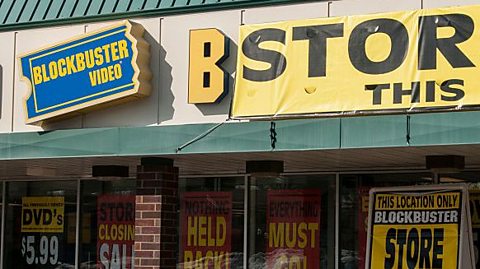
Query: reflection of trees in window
258 236
234 185
37 248
353 218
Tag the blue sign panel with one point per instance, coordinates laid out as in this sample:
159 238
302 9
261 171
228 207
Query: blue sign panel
85 72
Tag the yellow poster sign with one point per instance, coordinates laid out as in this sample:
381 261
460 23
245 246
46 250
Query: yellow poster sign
392 62
43 214
414 230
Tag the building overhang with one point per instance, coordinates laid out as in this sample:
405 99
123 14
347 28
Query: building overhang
333 144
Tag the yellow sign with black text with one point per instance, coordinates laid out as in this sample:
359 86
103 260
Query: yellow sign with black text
384 63
416 230
207 80
425 226
43 214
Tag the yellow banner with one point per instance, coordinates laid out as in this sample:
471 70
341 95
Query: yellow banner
416 230
43 214
387 63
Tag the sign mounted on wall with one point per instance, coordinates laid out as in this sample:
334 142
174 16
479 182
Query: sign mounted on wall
99 68
207 79
420 227
395 62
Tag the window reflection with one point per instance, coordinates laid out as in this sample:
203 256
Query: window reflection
211 217
292 222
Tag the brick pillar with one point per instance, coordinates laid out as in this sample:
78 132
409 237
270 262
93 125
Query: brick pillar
156 214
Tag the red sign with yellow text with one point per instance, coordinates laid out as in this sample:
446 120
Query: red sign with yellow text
363 196
206 221
293 225
116 231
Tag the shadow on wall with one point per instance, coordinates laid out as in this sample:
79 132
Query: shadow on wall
224 106
164 84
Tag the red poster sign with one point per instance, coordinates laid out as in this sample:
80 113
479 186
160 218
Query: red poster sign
293 225
206 221
116 231
363 197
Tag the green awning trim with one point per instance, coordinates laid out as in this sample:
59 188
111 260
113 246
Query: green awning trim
23 14
452 128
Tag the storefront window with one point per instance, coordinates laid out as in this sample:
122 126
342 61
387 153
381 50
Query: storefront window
354 190
39 219
107 224
211 217
473 181
292 222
